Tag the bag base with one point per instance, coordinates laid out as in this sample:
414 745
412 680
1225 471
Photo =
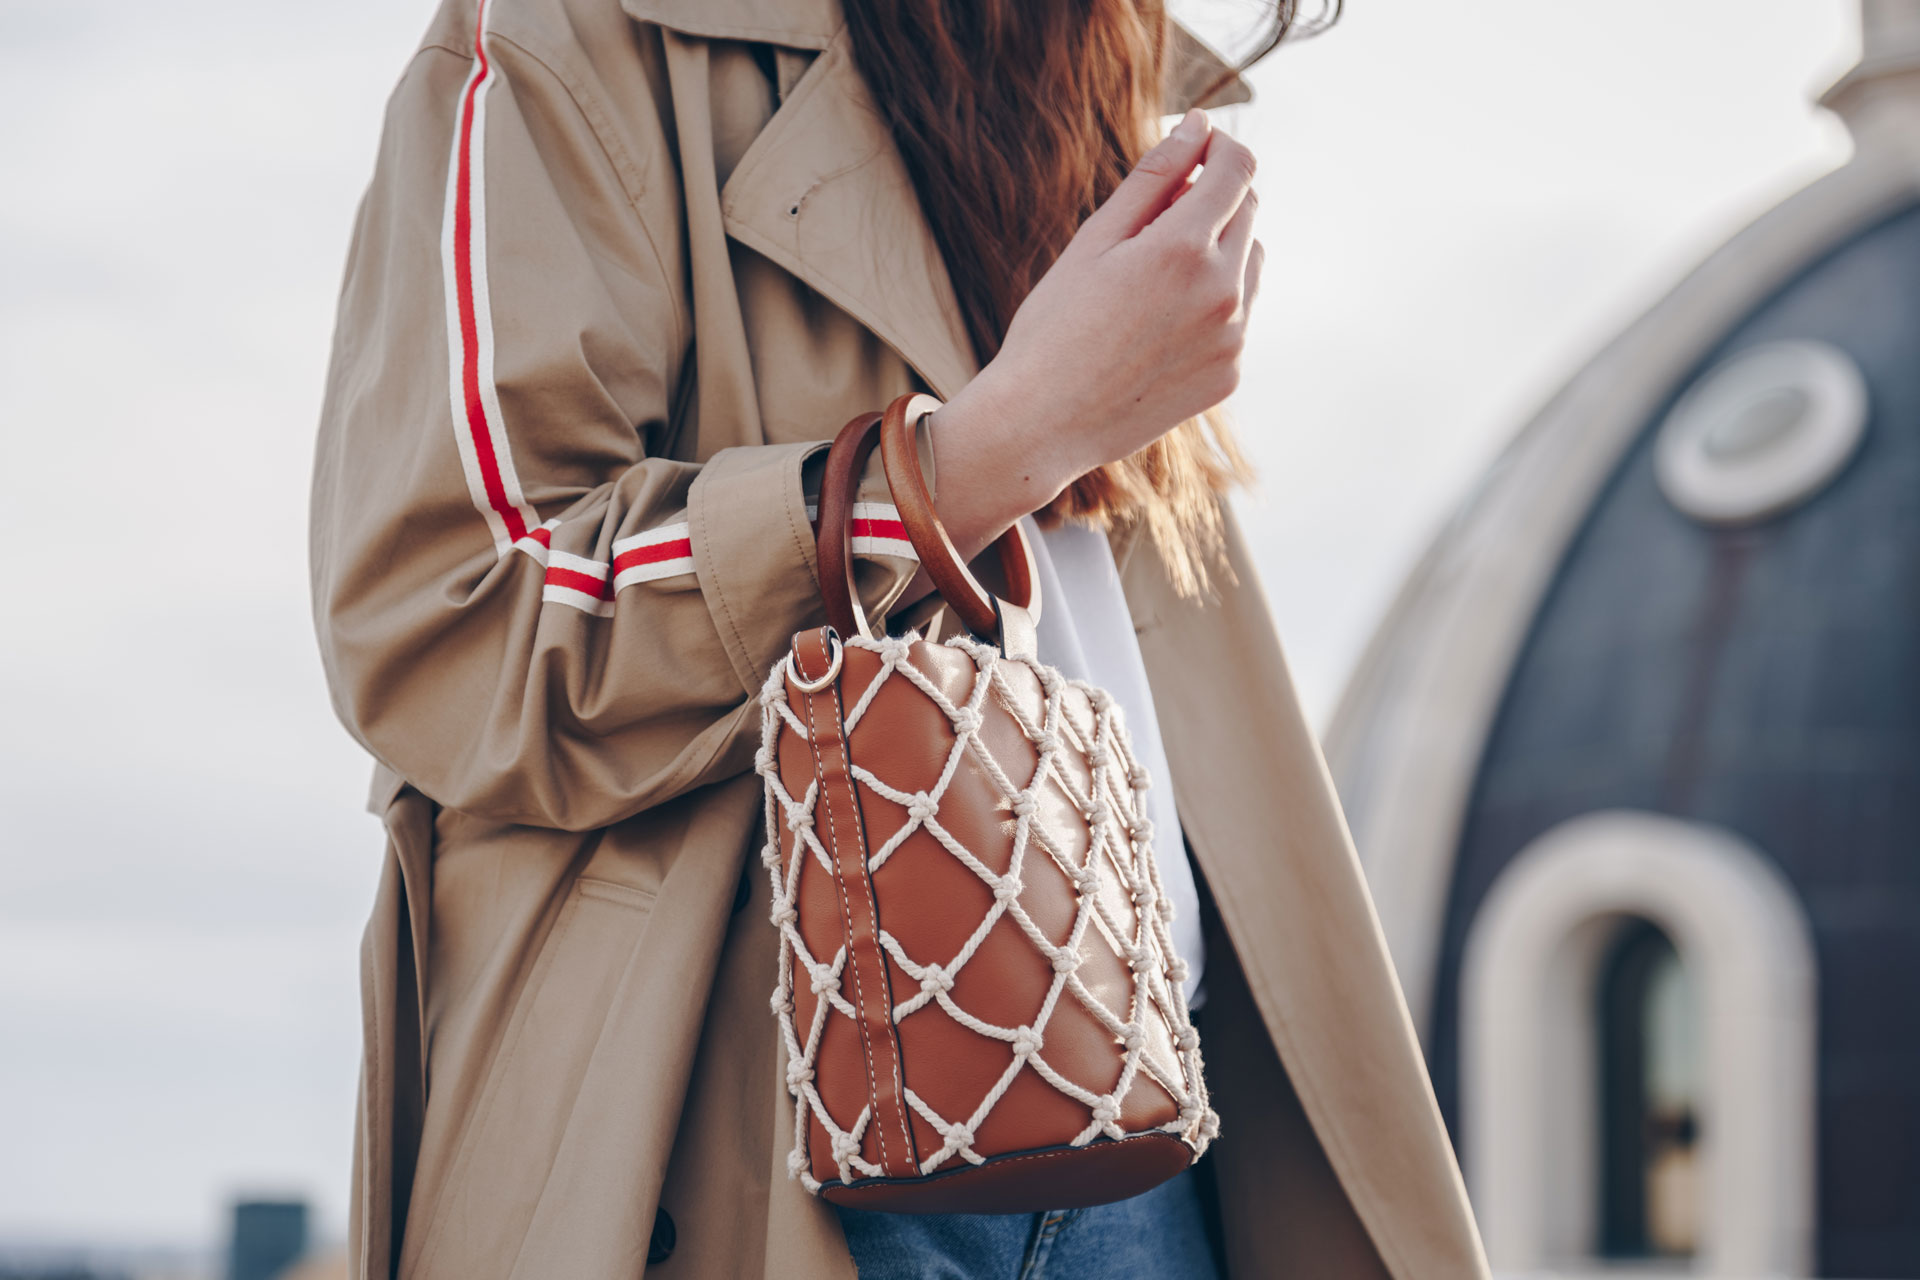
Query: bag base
1101 1172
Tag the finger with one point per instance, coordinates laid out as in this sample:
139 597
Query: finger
1155 181
1236 238
1250 281
1217 193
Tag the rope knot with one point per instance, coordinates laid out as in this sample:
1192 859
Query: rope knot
795 1163
823 981
1142 831
1137 776
781 1005
936 979
1099 813
763 760
1047 743
1065 961
1026 1043
1006 889
1086 877
1024 805
1140 960
1106 1110
957 1136
784 915
845 1147
798 1073
1176 970
922 806
1135 1039
966 721
799 819
1188 1040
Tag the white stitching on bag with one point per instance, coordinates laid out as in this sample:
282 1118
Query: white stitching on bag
846 914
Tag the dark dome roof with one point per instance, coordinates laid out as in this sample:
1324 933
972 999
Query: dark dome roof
1765 679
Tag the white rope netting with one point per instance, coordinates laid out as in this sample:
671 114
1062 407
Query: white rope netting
1110 801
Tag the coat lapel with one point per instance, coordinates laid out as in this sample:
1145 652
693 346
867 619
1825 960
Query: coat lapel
823 192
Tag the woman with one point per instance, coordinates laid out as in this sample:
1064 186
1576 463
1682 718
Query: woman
622 269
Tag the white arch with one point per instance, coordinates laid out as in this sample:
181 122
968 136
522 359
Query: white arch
1528 1097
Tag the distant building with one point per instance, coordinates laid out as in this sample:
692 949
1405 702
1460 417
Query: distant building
1634 761
269 1236
20 1261
54 1270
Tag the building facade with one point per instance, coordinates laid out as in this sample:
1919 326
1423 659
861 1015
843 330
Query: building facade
1634 761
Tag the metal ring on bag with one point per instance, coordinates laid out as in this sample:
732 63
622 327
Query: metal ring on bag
833 669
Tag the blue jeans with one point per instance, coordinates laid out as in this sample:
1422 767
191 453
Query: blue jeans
1161 1235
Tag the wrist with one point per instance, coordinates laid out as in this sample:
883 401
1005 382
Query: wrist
998 440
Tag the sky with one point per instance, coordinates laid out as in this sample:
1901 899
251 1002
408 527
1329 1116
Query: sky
1459 203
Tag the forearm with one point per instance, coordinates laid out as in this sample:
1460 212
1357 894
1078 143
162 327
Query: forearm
995 462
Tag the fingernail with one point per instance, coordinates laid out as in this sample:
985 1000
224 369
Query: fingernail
1191 125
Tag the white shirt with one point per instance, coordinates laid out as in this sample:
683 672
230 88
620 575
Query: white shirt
1086 631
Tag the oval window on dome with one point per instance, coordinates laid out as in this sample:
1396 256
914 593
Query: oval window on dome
1761 432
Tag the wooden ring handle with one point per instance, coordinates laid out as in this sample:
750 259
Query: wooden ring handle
900 454
833 530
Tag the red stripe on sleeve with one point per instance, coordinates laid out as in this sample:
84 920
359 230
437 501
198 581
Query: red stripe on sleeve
582 582
675 550
878 529
483 444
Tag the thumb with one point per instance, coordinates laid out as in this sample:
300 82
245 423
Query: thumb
1156 181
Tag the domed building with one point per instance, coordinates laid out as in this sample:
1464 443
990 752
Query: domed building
1634 761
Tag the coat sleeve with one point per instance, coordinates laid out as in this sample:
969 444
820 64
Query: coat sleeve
522 610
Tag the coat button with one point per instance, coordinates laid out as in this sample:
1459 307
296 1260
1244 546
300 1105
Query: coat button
660 1248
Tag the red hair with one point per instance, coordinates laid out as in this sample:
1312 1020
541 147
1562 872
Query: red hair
1016 119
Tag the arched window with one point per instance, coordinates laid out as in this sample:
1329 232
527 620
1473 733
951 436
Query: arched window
1647 1017
1637 1046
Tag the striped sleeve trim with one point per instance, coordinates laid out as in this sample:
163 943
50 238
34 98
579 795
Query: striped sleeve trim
479 427
877 530
486 454
590 585
665 552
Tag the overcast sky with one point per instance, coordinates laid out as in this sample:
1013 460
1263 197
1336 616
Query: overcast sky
1459 201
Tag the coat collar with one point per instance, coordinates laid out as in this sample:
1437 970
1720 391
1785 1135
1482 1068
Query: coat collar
822 190
811 24
799 24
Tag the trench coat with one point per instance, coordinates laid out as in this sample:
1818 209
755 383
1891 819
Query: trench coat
622 267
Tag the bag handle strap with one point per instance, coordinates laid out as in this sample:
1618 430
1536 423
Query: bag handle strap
978 611
1008 621
833 530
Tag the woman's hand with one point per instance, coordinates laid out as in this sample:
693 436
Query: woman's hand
1137 327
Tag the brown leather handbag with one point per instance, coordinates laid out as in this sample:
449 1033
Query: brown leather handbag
979 997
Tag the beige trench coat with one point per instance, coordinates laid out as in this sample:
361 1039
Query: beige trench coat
621 268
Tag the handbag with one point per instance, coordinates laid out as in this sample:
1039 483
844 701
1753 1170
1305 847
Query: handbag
978 994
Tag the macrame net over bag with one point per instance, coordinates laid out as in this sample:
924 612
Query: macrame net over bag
1030 980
